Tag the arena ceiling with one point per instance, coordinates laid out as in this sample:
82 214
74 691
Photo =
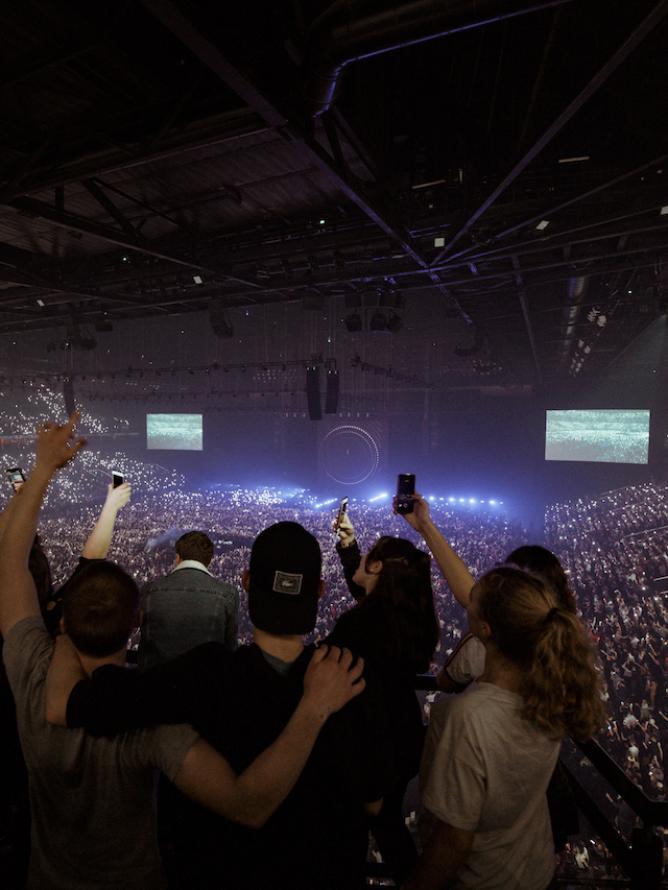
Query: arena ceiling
160 157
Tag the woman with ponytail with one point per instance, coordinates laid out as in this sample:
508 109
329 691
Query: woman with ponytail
394 627
498 743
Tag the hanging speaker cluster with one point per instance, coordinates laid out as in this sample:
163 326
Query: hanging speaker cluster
313 395
313 392
68 393
332 391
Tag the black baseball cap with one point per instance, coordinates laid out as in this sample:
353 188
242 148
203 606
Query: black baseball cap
284 583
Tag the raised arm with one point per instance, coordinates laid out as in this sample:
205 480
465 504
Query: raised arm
7 513
349 554
449 562
18 598
99 540
250 798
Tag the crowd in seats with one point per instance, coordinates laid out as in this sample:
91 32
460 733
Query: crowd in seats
615 549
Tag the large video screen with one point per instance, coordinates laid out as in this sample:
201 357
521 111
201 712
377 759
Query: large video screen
177 432
601 436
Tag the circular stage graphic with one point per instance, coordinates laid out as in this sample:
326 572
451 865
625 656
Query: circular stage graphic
349 455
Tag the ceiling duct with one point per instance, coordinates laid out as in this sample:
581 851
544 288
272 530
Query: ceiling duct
348 33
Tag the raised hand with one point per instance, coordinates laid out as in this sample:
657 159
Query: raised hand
332 679
56 445
345 530
420 517
119 496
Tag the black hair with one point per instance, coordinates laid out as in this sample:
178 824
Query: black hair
403 595
542 562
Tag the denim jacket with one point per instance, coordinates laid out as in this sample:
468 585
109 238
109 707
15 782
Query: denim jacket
185 608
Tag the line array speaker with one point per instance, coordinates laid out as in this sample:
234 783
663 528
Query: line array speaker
313 392
332 392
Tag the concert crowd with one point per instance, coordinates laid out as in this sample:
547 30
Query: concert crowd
614 548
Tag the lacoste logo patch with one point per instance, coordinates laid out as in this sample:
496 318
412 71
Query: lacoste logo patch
286 583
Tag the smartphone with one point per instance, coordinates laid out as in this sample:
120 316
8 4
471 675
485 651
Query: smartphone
405 488
343 507
15 474
117 478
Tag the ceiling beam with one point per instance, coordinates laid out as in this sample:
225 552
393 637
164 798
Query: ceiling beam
62 219
192 304
618 57
107 204
551 212
522 296
293 288
210 55
215 130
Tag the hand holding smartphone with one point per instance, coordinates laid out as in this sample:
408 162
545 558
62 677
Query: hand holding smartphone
117 478
15 477
405 492
343 506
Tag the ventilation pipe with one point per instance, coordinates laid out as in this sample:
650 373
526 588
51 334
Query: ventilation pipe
348 32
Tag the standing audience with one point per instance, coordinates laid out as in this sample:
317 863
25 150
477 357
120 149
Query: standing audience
240 702
394 626
493 749
92 811
187 607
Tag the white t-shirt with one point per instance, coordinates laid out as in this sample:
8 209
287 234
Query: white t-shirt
467 662
485 769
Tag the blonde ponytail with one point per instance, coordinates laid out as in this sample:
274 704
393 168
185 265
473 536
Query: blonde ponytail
560 685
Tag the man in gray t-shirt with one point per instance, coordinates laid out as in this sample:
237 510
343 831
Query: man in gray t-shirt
104 787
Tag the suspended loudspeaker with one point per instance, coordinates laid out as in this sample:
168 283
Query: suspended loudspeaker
332 392
313 392
68 392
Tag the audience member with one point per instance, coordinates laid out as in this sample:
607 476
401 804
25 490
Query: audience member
240 702
394 626
187 607
491 826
